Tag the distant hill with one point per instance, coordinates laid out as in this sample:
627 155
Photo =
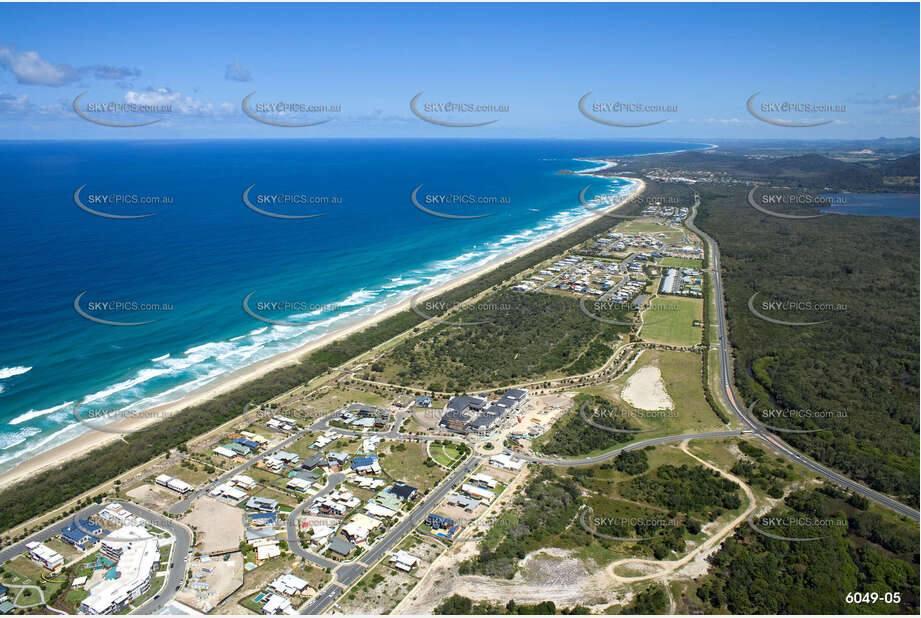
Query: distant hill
807 170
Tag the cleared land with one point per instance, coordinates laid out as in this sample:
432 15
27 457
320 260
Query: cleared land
671 321
218 526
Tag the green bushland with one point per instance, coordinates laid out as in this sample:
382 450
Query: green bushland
571 436
526 336
860 366
652 600
546 507
755 574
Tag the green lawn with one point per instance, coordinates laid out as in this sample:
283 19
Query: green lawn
670 321
674 262
409 466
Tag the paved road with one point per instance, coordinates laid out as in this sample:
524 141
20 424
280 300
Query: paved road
294 543
739 409
183 505
587 461
180 553
349 573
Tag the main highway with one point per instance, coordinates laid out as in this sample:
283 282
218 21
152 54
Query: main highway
726 384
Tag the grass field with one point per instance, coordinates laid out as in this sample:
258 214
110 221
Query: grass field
680 373
647 226
674 262
670 321
194 476
409 466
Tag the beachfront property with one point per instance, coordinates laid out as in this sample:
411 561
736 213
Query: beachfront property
254 437
282 423
138 556
118 514
177 485
229 491
81 534
362 416
45 556
224 452
471 414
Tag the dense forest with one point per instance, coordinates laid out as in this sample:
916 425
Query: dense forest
755 574
859 369
796 170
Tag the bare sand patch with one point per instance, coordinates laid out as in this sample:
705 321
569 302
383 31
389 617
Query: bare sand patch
646 391
215 580
153 497
217 526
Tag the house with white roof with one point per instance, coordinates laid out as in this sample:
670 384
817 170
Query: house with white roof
404 561
45 556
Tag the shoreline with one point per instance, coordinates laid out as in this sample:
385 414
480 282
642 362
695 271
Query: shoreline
92 439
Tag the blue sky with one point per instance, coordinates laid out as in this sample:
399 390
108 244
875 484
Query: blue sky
537 59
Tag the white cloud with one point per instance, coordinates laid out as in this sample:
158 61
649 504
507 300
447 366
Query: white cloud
30 68
162 97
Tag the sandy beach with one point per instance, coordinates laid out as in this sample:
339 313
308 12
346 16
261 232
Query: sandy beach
94 439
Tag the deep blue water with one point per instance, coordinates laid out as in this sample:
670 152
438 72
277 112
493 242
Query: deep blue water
874 204
204 252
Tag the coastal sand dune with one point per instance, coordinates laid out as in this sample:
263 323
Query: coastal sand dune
646 391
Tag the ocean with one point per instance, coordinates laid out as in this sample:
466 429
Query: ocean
184 272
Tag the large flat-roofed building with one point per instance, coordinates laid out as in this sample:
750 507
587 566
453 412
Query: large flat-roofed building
473 414
45 556
138 555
